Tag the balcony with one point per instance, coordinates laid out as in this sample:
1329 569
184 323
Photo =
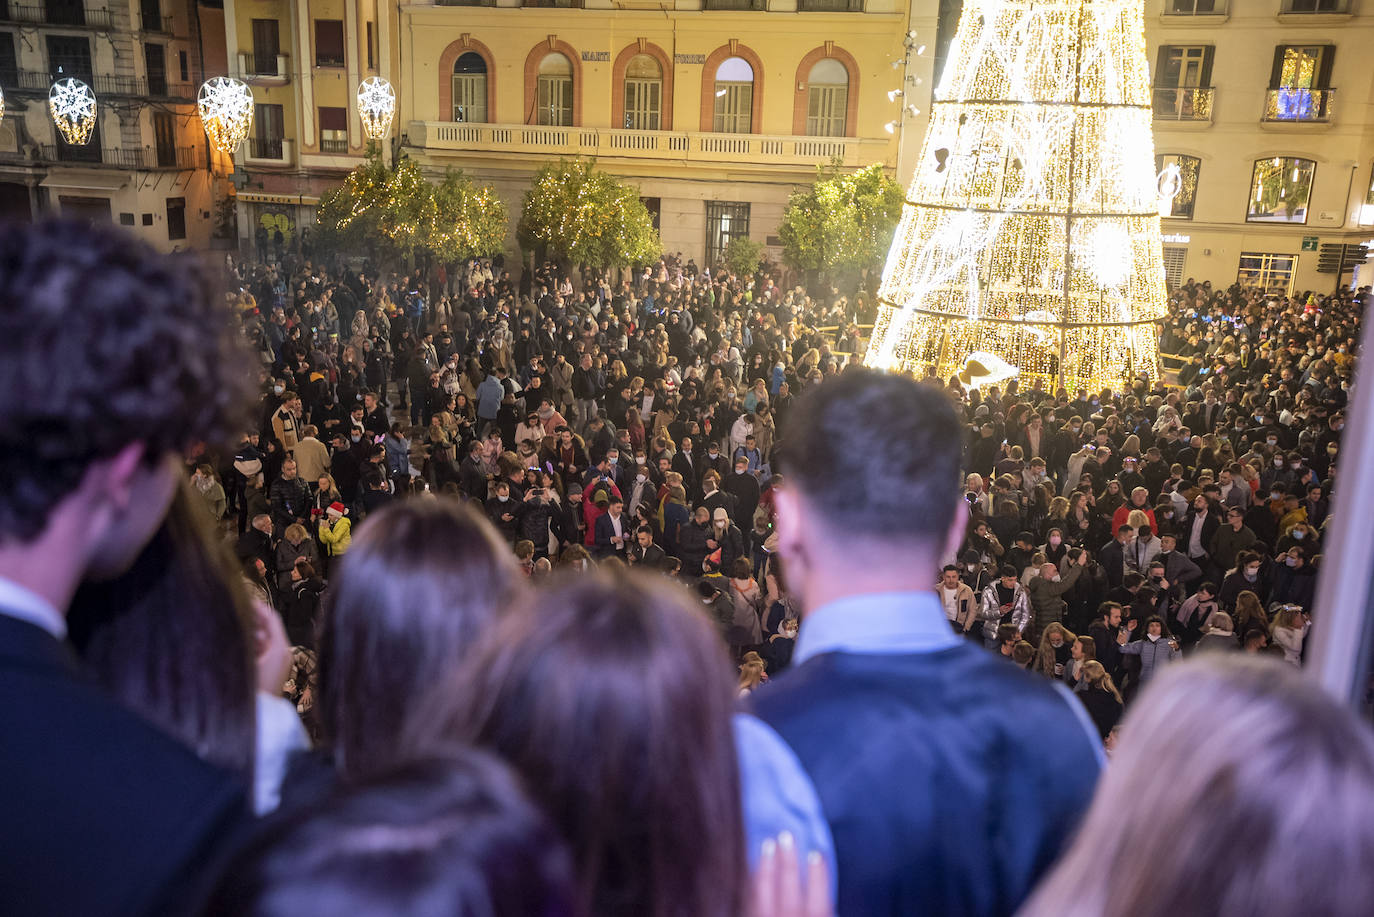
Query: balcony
39 81
334 146
1183 104
552 4
266 68
464 2
69 15
830 6
734 4
182 158
272 151
1300 106
158 23
756 150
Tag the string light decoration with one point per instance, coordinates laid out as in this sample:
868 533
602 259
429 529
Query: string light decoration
376 106
1031 230
2 104
72 105
226 112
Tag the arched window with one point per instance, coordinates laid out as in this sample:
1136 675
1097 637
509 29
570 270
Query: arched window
734 103
1280 189
554 99
643 93
827 98
1189 167
470 88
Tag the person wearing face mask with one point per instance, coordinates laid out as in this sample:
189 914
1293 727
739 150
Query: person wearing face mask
744 487
504 512
725 536
1244 578
1155 650
1295 579
1046 593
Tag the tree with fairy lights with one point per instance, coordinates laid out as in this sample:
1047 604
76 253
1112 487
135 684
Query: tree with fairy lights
581 215
394 213
1030 240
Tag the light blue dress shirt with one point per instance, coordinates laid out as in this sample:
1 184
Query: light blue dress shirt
778 793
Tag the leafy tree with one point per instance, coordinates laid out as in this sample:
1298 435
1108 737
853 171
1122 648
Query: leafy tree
469 221
582 215
843 223
742 255
394 212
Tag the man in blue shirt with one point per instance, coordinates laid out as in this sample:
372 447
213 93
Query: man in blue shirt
948 780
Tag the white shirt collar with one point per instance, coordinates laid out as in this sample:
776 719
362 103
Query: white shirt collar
24 604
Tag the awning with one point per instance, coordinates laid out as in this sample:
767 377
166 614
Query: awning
85 179
260 197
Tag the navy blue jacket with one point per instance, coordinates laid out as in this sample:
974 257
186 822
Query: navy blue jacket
102 814
950 779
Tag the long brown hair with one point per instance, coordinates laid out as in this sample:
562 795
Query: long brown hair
171 638
612 697
1231 753
421 582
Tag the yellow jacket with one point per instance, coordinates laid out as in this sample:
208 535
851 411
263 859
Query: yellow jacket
337 538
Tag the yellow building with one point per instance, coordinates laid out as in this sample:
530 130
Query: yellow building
303 60
146 166
1264 105
716 113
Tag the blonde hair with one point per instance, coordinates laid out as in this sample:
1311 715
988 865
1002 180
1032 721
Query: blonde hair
1218 737
1097 676
1136 518
1044 661
750 670
295 533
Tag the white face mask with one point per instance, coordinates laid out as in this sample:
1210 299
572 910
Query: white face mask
503 499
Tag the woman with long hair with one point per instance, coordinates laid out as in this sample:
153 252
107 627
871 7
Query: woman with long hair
421 583
1100 697
1056 645
1194 778
611 697
635 425
1289 632
172 638
751 673
1250 613
1083 651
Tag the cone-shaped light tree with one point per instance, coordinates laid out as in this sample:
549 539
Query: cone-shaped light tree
1031 228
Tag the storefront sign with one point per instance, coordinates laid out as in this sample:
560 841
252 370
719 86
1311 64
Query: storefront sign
1176 239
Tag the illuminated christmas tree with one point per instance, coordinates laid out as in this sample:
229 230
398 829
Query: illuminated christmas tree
1031 229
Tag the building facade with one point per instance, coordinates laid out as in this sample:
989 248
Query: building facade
1263 105
716 109
147 165
303 60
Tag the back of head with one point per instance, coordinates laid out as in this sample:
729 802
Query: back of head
879 455
107 344
611 696
421 582
1238 789
451 837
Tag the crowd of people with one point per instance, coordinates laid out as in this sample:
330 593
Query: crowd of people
355 591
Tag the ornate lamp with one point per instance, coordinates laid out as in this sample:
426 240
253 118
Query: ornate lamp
226 112
376 106
72 105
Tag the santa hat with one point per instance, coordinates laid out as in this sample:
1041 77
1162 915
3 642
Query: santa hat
336 509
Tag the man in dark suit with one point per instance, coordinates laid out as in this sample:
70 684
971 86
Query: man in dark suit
102 812
612 530
996 765
688 464
714 498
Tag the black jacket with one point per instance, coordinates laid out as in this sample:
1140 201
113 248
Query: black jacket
102 813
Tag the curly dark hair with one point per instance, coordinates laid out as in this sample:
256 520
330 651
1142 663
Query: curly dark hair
106 342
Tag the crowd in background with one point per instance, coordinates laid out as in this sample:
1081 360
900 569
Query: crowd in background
490 606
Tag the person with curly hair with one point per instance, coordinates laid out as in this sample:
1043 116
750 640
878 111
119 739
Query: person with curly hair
116 359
